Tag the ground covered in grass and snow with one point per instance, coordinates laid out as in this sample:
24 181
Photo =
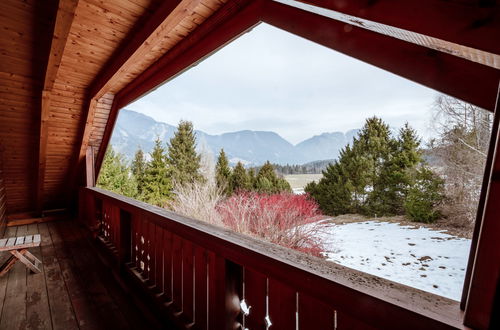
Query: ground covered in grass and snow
420 257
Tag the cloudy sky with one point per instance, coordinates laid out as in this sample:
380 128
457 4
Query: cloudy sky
269 79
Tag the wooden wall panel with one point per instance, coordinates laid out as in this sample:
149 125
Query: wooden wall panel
97 30
23 41
3 202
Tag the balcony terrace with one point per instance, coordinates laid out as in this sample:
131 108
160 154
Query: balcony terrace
66 69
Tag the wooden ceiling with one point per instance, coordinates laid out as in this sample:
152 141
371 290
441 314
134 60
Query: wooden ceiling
64 63
63 51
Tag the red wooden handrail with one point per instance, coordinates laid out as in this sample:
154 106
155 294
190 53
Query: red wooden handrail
201 273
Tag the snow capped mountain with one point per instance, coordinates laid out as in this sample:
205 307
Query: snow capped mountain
134 130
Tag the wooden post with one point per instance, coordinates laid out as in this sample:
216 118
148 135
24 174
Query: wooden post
89 167
483 296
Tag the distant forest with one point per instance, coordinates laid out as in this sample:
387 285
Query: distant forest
315 167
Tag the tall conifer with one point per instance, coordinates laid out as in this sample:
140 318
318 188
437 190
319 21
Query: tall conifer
157 189
138 170
182 156
115 176
223 173
239 178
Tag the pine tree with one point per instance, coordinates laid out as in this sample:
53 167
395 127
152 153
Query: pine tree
182 156
374 145
138 170
268 182
157 189
252 178
374 175
399 170
115 176
424 196
334 192
223 173
239 178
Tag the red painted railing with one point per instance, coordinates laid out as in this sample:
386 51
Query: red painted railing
205 277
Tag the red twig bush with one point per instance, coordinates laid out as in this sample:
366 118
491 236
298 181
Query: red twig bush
285 219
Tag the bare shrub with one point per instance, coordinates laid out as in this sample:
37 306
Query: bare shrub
464 132
198 200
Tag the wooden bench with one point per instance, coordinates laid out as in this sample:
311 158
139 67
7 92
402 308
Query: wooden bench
18 247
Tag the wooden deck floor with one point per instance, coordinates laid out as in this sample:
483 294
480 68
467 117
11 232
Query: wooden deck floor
74 291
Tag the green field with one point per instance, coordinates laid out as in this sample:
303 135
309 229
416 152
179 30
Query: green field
301 180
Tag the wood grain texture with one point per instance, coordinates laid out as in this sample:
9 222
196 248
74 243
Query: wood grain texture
279 273
3 202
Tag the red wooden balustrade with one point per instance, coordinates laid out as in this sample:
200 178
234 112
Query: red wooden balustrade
202 276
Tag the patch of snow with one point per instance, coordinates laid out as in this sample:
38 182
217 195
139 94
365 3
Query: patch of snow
426 259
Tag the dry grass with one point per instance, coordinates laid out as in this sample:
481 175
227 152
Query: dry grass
301 180
442 224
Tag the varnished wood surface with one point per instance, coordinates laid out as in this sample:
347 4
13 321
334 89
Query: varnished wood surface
3 203
66 53
73 291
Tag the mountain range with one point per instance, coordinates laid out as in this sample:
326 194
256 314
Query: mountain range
252 148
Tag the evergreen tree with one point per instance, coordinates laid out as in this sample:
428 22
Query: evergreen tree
268 182
138 170
333 193
182 156
115 176
424 196
252 178
399 170
157 189
223 173
379 175
374 146
239 178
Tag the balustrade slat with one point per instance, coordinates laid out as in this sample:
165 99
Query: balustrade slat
255 297
216 288
115 214
142 246
151 253
200 288
133 243
159 259
187 281
314 314
282 305
177 272
167 265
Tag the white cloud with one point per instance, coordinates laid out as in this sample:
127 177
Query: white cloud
269 79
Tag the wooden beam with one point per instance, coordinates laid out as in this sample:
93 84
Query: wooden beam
485 279
470 23
29 221
166 17
87 130
226 24
89 167
64 19
455 76
42 150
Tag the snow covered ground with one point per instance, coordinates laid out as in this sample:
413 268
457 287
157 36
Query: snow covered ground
419 257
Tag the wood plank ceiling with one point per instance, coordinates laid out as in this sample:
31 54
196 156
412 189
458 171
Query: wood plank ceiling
62 62
68 52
